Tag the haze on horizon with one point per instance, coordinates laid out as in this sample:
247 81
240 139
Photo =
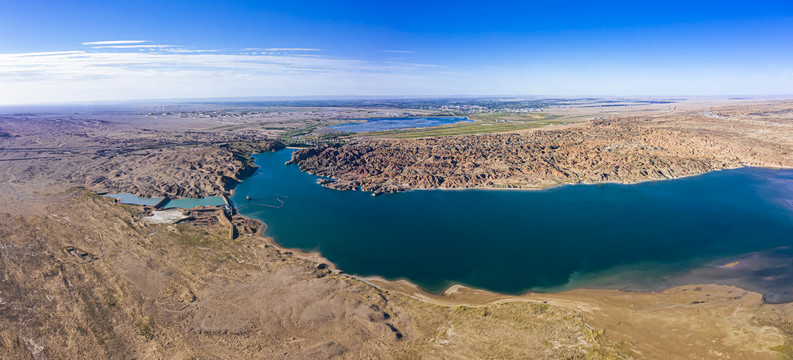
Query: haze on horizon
54 52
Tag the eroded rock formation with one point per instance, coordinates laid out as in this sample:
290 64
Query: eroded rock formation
623 150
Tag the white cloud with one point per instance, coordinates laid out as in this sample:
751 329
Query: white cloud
182 50
132 46
121 72
413 64
139 71
47 53
400 51
281 49
115 42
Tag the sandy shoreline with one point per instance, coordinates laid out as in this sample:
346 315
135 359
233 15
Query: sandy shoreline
313 256
629 317
460 294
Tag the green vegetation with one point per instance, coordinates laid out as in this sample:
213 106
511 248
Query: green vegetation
144 328
485 123
301 131
330 136
305 136
786 350
129 223
512 117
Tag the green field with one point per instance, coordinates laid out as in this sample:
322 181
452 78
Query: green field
483 124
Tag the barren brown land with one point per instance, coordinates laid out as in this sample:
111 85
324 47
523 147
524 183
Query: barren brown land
619 149
82 276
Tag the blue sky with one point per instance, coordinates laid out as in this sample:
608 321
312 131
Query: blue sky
55 51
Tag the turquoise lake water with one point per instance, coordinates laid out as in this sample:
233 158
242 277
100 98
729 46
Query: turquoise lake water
638 236
187 203
184 203
381 124
126 198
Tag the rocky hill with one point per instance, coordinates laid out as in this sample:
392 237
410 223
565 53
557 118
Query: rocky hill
625 150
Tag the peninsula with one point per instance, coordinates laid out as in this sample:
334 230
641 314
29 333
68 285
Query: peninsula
624 149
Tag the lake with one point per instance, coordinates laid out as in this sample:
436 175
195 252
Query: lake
184 203
126 198
187 203
636 237
381 124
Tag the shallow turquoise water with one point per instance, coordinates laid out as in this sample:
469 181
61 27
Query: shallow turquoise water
187 203
512 241
126 198
381 124
184 203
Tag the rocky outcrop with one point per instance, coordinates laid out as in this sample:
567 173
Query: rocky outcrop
115 156
301 155
623 150
182 172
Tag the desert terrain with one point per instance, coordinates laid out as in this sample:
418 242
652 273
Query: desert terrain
83 276
625 149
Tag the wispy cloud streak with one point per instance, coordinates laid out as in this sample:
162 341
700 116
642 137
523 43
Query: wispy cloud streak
281 49
134 71
152 46
115 42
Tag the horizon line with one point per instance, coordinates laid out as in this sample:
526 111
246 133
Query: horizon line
394 97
